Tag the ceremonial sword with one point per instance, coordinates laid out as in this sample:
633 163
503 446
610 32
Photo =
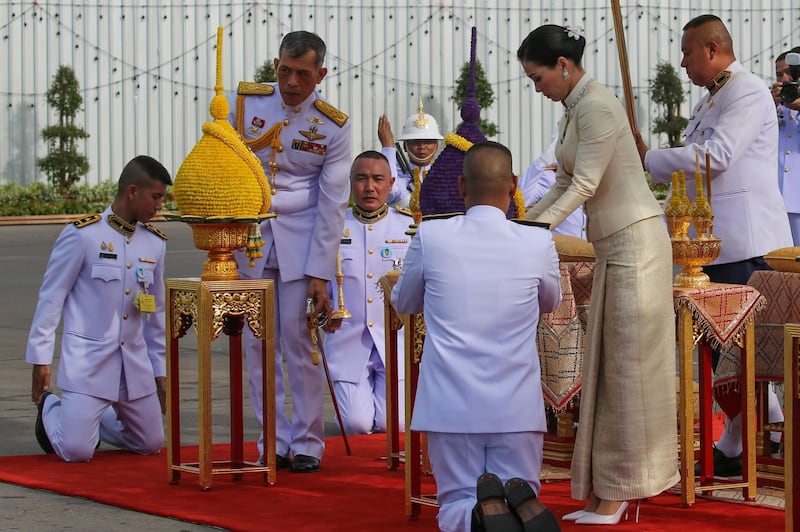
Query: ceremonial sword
316 325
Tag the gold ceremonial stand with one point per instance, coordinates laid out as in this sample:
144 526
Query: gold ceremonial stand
690 331
392 324
214 307
414 338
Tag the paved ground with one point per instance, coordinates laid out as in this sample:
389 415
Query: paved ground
25 250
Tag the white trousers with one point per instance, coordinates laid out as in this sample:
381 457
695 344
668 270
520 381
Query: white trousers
458 460
363 404
76 421
305 432
730 442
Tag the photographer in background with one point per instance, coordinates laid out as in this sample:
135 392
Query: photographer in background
786 93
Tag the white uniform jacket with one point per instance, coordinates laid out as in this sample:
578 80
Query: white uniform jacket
739 129
312 185
93 277
789 157
369 251
484 281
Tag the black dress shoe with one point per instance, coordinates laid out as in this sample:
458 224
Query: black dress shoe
303 463
38 429
724 466
519 493
489 487
281 462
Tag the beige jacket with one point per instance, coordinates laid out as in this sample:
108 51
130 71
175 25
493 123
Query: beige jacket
598 165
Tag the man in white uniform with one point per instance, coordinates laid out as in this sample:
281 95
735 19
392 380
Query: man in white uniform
373 243
735 123
789 139
421 142
303 143
106 277
484 280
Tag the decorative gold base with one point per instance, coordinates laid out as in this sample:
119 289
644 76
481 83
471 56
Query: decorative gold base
693 254
220 239
692 277
220 266
341 314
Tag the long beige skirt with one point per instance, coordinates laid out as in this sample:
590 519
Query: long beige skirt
626 445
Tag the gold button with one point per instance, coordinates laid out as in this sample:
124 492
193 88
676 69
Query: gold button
129 265
370 251
127 291
369 276
369 300
122 342
788 152
369 324
369 228
285 121
785 169
124 316
127 240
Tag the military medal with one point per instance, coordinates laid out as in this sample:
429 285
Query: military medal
312 134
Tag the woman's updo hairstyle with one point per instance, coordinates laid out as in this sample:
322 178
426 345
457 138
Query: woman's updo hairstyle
547 43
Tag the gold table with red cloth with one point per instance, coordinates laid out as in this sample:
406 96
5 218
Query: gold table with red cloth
718 315
560 336
782 292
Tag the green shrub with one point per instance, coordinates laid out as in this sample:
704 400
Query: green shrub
42 198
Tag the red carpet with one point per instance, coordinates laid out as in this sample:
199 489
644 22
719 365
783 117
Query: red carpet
354 493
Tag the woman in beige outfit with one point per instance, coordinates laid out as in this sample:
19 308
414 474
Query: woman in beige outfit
626 442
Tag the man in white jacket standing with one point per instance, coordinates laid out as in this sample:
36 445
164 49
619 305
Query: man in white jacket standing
484 280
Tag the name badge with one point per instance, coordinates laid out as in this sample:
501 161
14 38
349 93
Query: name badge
146 303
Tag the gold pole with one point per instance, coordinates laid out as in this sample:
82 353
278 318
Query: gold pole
623 64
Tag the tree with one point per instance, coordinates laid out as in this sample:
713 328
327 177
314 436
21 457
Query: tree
265 73
483 93
63 164
666 90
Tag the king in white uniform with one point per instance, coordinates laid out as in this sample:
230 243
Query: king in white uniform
303 143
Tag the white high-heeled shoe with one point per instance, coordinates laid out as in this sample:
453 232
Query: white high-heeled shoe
574 516
611 519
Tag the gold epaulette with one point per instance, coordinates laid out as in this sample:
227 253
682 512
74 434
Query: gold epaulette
248 88
155 230
442 216
331 112
531 223
403 211
87 220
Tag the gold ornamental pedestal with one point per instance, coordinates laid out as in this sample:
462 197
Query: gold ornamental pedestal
220 240
692 254
215 307
220 237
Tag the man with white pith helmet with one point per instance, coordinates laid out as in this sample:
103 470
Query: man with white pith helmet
420 138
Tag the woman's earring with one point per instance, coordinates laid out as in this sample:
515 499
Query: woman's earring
564 74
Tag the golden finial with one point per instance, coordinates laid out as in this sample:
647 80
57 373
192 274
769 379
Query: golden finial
422 121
